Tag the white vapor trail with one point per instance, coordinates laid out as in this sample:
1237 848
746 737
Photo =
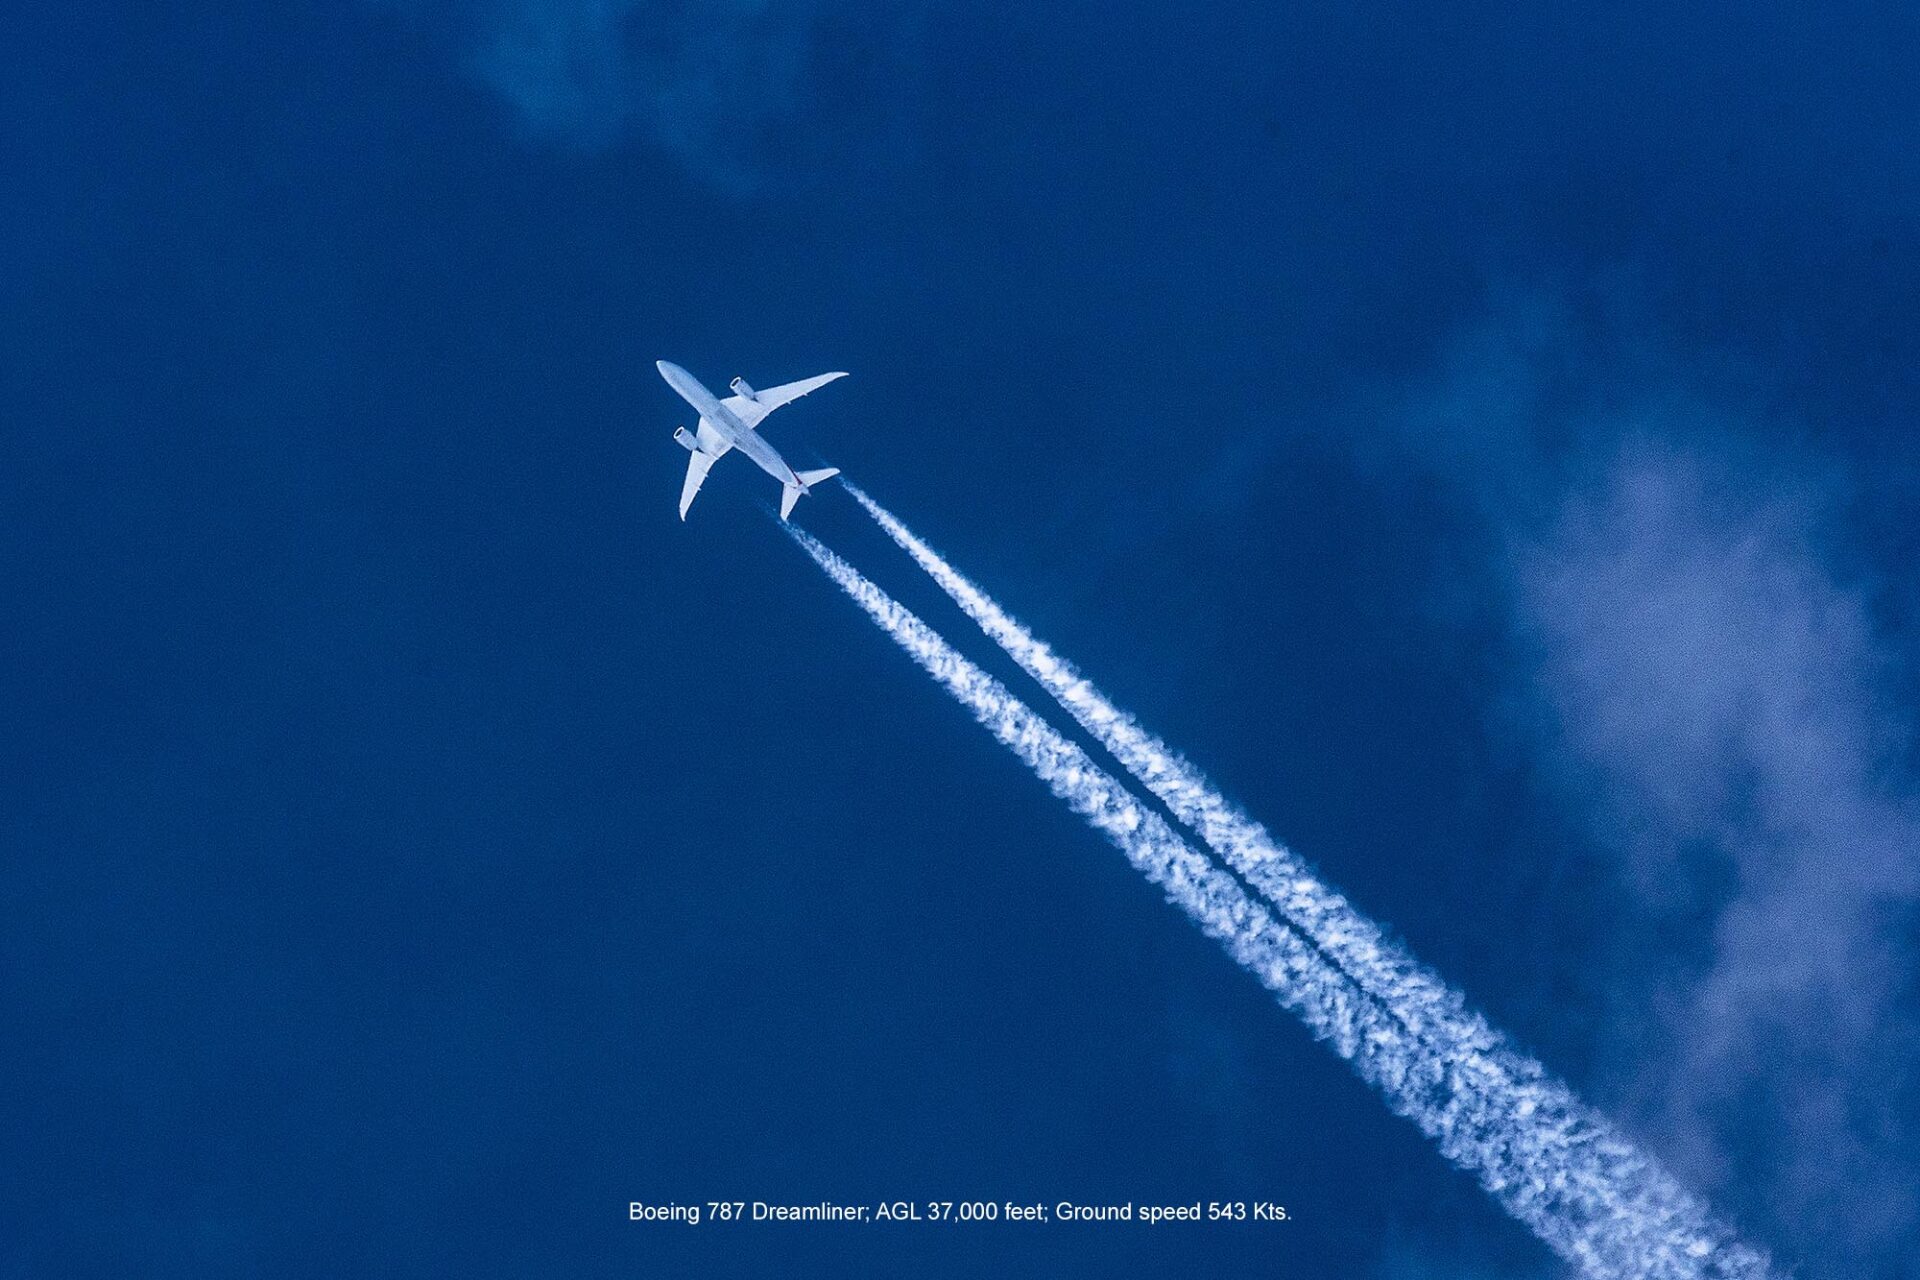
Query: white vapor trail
1424 1003
1551 1161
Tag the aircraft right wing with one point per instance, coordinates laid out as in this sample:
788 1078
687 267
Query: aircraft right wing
753 410
698 464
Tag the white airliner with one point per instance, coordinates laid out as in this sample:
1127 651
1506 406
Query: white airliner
730 424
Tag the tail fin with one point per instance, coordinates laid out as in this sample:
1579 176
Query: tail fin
790 493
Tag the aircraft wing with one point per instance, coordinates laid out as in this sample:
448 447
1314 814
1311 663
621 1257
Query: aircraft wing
698 464
711 441
752 410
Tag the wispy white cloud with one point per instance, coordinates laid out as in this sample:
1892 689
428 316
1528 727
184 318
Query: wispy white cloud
718 84
1699 675
1697 654
700 77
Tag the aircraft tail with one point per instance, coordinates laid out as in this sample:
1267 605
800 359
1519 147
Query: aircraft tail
790 494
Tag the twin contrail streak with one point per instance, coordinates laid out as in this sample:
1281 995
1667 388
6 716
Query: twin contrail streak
1190 879
1424 1003
1552 1162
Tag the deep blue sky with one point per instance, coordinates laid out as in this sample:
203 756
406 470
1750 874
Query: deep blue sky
1482 435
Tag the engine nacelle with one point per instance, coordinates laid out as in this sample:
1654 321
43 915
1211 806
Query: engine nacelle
740 388
686 439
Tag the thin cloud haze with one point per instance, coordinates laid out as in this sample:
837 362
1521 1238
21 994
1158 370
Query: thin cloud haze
1714 685
714 83
1702 683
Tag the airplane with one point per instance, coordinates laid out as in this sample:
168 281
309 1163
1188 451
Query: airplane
729 424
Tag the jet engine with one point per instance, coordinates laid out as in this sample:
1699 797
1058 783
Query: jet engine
687 440
740 388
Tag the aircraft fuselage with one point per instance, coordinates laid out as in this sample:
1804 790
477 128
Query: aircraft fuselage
718 424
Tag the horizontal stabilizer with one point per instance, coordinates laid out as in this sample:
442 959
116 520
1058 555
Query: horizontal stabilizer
790 493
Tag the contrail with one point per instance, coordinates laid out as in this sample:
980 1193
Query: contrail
1425 1004
1190 879
1550 1160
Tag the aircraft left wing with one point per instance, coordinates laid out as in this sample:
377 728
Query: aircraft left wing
698 464
751 410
